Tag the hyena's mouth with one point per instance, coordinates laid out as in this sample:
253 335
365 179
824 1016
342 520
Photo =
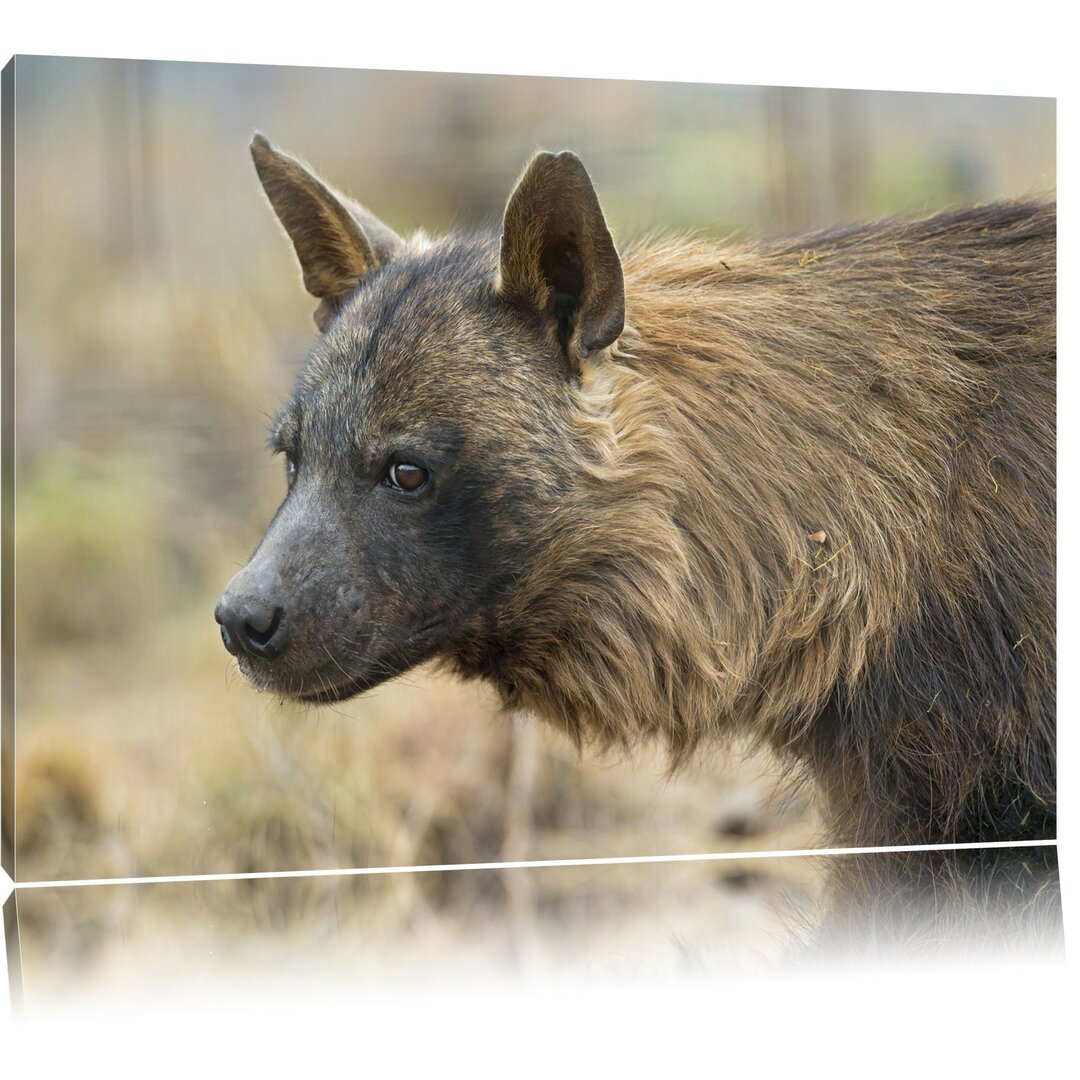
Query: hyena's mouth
418 647
328 694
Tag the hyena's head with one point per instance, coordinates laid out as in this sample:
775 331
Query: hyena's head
429 444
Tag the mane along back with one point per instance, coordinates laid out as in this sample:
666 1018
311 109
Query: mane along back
820 509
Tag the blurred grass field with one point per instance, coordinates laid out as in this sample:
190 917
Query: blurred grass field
160 321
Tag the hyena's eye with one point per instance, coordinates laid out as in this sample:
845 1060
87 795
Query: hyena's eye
290 469
405 477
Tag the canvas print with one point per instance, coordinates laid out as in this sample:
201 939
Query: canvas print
413 469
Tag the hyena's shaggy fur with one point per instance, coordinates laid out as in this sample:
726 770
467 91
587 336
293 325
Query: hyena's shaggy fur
891 387
800 491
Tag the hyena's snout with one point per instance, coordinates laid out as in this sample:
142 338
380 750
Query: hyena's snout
253 617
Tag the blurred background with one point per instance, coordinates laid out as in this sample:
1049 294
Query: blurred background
161 321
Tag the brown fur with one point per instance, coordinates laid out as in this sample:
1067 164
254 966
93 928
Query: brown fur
892 386
802 491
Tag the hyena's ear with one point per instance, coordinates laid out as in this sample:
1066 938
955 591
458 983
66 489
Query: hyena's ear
558 257
337 241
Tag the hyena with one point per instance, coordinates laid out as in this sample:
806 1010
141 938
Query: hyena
798 490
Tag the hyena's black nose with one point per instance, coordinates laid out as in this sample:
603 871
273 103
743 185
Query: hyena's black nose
252 626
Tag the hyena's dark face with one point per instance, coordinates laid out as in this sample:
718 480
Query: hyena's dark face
427 440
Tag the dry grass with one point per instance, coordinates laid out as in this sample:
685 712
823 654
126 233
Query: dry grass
183 769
